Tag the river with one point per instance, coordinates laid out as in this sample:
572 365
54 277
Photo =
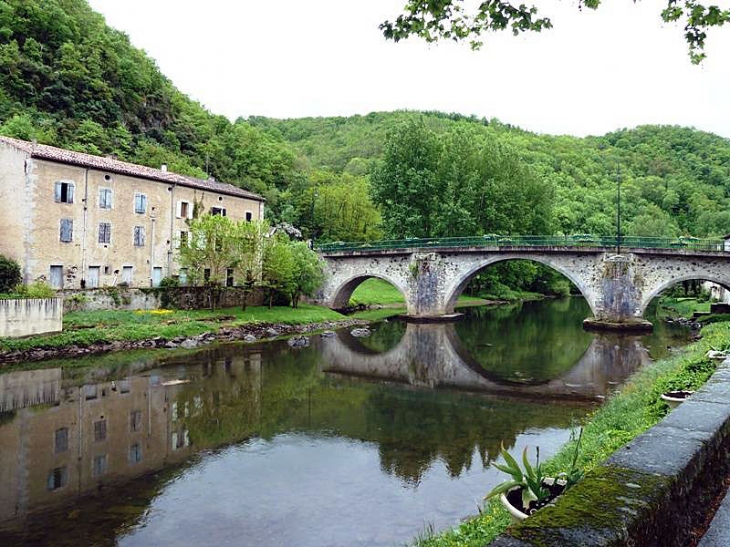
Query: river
350 441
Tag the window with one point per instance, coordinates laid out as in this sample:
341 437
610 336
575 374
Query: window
124 386
229 277
183 277
92 280
100 431
60 440
105 198
64 192
105 232
183 239
249 216
139 236
206 274
135 421
135 453
90 392
58 478
218 211
67 230
140 203
184 209
99 465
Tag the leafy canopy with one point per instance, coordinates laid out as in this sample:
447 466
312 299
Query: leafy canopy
435 20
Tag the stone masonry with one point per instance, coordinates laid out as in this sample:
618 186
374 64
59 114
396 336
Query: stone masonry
618 288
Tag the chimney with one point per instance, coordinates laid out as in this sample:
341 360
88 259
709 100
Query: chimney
163 168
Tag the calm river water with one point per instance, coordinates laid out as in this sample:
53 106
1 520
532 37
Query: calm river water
351 441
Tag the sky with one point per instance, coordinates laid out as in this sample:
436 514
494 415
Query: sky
594 72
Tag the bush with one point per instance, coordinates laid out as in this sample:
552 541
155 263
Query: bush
37 289
9 274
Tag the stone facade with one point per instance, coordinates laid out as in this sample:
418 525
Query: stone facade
78 220
618 288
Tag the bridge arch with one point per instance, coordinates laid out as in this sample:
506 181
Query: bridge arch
669 283
343 291
464 277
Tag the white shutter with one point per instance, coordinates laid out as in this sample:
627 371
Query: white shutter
57 192
179 209
190 211
70 193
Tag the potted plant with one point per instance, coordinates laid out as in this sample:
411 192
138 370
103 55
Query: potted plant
675 398
528 489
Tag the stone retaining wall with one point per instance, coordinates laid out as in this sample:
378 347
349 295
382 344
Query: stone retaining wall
27 316
653 491
125 298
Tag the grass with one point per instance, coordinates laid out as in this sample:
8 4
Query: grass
684 307
89 327
510 295
628 414
377 292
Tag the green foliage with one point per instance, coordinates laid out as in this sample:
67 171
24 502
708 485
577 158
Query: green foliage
36 289
9 274
307 271
530 479
278 268
451 20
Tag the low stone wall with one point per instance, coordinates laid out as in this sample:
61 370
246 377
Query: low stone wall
125 298
651 492
27 316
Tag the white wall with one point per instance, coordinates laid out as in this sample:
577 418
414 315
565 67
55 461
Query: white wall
24 317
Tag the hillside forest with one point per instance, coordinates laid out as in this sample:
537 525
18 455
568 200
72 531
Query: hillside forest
69 80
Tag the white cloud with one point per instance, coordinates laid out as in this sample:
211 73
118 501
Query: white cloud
594 72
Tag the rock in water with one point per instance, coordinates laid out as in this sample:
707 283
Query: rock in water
298 342
360 333
249 338
189 343
327 334
272 332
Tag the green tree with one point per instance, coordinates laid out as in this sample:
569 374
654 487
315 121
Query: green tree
210 252
452 20
9 274
278 268
248 254
307 272
405 183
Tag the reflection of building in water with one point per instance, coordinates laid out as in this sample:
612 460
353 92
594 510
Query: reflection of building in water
94 434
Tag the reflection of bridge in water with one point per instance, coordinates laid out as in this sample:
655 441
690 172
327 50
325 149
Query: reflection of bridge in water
432 355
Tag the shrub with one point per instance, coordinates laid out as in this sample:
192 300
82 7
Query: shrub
9 274
37 289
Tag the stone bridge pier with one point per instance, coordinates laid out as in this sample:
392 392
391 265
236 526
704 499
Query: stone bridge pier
618 288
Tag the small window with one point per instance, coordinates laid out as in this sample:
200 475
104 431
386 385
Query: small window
140 203
135 421
58 478
218 211
184 209
183 277
105 198
67 230
99 465
135 453
229 277
249 216
124 386
183 239
64 192
206 274
100 431
60 440
90 392
105 233
139 236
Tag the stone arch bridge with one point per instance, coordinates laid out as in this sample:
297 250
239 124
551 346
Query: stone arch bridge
617 286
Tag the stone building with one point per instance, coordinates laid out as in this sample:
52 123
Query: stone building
83 221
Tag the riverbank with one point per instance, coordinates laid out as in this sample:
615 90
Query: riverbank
97 332
633 410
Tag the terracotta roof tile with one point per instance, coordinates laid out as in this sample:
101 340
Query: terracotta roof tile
51 153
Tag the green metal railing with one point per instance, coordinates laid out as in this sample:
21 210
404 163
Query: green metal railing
581 240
